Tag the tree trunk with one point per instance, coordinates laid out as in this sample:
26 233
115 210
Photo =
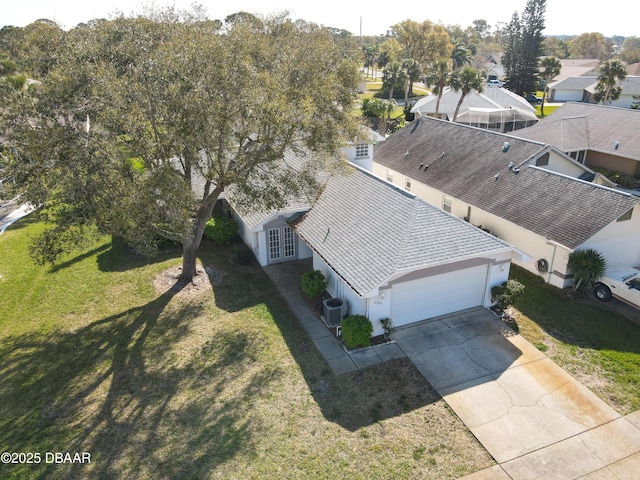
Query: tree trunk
455 115
191 244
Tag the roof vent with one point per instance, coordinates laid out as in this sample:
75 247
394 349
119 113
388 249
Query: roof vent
511 165
505 147
616 144
516 170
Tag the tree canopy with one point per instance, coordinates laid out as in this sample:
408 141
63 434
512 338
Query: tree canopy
611 75
524 47
591 45
138 124
424 42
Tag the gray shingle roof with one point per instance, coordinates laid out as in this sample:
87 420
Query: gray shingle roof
585 126
366 230
563 209
296 161
573 83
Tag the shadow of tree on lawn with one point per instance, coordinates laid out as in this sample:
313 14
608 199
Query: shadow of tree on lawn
115 390
353 400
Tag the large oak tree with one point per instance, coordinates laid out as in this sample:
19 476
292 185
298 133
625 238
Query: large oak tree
138 124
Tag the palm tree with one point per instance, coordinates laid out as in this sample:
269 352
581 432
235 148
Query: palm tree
438 77
587 267
551 70
393 76
466 80
461 55
412 73
612 73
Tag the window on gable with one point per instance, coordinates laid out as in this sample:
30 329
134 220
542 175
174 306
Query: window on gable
407 184
578 155
362 150
446 204
543 160
625 216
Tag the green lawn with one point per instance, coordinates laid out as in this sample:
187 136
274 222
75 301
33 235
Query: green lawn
223 382
220 382
595 344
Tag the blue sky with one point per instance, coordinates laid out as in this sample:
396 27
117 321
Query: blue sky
562 17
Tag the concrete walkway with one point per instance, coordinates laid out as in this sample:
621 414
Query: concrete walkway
286 277
536 420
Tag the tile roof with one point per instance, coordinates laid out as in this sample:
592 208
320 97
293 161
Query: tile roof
367 229
586 126
560 208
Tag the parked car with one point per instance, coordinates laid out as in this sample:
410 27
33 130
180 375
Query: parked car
620 282
495 83
532 99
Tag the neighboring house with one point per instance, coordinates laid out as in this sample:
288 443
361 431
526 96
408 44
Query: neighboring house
578 67
630 89
595 135
525 192
571 89
389 254
582 89
495 109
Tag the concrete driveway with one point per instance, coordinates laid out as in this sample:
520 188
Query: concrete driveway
533 418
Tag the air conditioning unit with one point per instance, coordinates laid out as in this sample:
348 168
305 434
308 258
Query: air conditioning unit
334 309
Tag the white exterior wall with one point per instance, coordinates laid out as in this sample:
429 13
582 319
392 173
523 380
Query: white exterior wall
619 242
625 101
303 249
560 164
379 308
256 241
338 288
365 162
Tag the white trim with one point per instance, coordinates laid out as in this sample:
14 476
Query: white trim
274 244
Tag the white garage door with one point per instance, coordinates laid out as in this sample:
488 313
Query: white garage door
437 295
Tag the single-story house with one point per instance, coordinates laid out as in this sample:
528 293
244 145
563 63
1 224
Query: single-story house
389 254
571 89
596 135
496 108
529 194
583 88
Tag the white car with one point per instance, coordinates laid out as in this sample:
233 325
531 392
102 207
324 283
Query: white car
620 282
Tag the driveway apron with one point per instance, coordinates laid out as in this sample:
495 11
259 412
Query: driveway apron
533 418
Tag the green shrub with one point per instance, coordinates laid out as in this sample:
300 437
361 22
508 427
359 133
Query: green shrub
625 181
16 82
507 293
313 284
356 331
587 267
221 230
